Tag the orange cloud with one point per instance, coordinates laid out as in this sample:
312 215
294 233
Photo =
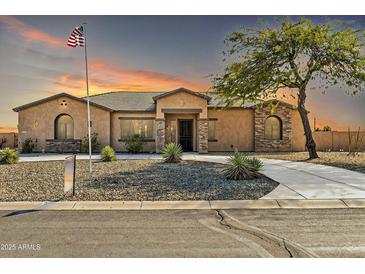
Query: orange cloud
105 77
8 129
30 33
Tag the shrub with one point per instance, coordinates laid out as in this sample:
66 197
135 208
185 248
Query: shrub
172 153
2 142
327 128
108 154
28 145
240 167
8 156
135 143
255 163
95 145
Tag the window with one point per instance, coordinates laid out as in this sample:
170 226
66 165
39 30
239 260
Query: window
136 126
273 128
212 129
64 127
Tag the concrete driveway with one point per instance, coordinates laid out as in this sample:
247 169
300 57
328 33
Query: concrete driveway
297 180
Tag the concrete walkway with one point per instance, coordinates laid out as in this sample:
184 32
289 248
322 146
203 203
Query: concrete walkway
297 180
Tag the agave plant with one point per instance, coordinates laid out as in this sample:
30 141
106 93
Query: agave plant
172 153
240 167
255 163
8 156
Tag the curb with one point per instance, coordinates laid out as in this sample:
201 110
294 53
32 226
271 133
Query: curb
187 205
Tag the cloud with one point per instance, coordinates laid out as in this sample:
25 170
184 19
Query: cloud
54 59
107 77
8 129
30 33
103 75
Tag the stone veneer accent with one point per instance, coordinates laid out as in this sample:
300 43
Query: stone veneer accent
284 112
69 145
160 134
203 135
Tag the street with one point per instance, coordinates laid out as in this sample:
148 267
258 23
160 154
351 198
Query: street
184 233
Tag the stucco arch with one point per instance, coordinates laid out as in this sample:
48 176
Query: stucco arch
64 127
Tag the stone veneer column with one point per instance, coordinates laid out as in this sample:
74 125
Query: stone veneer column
160 134
284 112
203 135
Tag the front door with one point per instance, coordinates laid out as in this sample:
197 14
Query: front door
186 134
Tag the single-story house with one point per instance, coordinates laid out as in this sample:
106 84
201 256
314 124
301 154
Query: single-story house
195 120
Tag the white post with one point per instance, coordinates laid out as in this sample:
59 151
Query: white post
88 101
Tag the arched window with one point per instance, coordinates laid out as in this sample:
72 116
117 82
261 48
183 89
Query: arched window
64 127
273 128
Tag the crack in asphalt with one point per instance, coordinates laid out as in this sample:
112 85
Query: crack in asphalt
266 237
287 249
222 221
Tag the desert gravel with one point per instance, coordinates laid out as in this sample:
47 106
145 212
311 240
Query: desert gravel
127 180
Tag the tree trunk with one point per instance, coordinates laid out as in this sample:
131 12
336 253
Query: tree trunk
310 144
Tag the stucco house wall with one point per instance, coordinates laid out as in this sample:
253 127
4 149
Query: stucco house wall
38 122
298 138
234 129
241 127
11 139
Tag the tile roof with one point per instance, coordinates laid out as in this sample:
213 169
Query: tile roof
133 100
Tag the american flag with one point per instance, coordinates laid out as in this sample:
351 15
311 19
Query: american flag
76 38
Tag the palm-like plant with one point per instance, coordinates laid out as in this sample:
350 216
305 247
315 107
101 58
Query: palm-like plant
8 156
240 167
172 153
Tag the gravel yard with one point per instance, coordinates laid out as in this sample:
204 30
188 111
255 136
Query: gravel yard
127 180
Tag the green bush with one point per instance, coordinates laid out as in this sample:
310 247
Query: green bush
240 167
2 142
108 154
28 145
172 153
8 156
135 143
95 145
255 163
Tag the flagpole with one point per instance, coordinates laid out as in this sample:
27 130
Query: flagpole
87 98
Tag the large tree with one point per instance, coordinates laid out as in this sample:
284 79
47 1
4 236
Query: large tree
292 54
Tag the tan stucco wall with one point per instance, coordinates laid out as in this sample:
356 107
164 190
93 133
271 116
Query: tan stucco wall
116 130
181 100
234 127
11 139
37 122
298 138
337 140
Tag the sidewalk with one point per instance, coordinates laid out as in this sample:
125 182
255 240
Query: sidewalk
174 205
298 180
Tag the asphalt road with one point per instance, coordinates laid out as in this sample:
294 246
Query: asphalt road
184 233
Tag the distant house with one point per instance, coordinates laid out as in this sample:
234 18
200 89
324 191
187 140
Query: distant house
195 120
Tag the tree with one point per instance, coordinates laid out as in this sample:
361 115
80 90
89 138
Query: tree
291 55
327 128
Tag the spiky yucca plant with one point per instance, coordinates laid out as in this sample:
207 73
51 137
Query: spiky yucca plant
108 154
172 153
8 156
255 163
240 167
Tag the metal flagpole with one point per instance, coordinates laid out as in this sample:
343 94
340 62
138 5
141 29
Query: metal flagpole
88 101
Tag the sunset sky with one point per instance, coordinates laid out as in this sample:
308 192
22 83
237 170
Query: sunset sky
135 53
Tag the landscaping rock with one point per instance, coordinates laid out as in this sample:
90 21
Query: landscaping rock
128 180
